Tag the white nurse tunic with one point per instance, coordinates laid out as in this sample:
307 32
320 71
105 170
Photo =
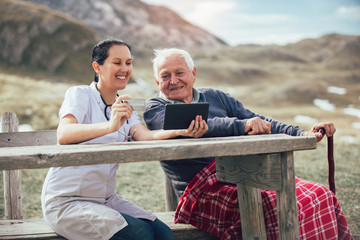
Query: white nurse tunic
80 202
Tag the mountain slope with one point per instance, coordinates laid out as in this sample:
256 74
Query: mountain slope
37 40
136 22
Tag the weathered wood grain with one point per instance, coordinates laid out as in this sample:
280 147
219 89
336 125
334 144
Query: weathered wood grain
31 157
262 161
286 200
37 228
12 178
251 209
33 138
261 171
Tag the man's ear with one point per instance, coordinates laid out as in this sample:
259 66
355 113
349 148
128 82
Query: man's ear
157 82
96 66
194 74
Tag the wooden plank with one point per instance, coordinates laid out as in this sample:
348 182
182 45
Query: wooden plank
79 154
12 178
260 171
12 194
286 200
251 213
33 138
183 231
37 228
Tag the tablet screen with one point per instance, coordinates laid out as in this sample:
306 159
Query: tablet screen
179 116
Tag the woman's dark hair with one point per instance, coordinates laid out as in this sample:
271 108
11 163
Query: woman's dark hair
101 51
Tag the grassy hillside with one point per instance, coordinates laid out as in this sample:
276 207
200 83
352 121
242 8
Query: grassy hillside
36 102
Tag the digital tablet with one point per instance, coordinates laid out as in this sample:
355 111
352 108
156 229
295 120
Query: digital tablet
179 116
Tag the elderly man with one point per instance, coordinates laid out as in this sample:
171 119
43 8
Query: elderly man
175 75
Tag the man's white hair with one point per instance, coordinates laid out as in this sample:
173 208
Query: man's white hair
161 54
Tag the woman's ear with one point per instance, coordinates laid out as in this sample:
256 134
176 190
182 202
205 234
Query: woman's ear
96 66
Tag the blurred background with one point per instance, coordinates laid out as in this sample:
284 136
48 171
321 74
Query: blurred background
295 61
298 62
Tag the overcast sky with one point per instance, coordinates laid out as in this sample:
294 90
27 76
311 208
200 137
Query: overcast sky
269 22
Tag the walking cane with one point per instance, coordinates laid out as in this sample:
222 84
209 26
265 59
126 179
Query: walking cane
330 152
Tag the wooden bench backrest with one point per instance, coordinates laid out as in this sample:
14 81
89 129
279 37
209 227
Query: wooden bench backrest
35 138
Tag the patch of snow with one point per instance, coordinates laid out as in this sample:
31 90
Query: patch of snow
352 111
336 90
355 125
348 139
305 119
324 104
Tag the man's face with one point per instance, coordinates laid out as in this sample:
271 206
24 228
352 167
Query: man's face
175 79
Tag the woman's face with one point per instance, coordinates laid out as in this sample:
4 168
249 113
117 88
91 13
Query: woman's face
117 68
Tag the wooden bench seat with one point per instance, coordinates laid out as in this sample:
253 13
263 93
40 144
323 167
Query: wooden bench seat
37 228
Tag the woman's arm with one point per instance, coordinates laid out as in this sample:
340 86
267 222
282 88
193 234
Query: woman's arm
70 131
196 129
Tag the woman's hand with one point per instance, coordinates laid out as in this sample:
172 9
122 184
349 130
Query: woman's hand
120 112
197 128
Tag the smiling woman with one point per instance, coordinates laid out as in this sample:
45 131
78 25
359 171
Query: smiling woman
96 114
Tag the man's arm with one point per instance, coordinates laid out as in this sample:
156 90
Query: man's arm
227 117
154 113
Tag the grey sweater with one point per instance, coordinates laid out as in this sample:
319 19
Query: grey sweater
227 117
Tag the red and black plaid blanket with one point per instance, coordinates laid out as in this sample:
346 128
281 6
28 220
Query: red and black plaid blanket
213 206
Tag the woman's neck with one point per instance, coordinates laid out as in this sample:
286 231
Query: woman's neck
109 95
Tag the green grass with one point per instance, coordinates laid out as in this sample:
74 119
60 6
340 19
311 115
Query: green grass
142 182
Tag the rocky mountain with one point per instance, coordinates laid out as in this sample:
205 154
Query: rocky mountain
38 41
135 22
53 39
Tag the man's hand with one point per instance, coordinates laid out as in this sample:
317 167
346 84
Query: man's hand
328 127
256 125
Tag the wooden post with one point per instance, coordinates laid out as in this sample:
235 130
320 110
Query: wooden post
251 209
250 173
12 178
171 200
286 200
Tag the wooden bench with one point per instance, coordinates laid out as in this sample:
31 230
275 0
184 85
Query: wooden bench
252 162
37 228
17 228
